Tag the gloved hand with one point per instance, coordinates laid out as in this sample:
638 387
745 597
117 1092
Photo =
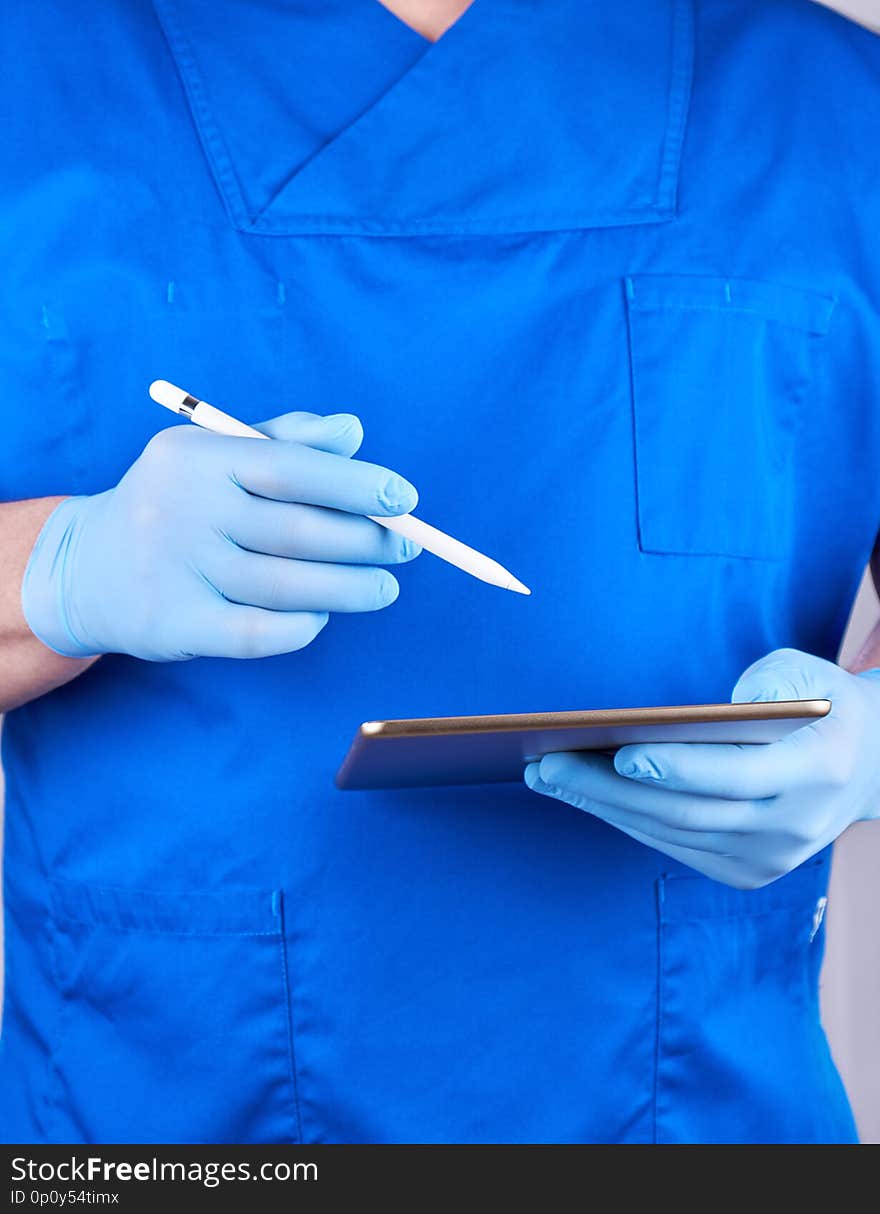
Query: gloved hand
221 547
743 815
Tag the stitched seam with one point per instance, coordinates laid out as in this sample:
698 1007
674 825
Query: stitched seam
640 540
157 931
206 129
658 1038
696 917
678 100
291 1039
305 225
657 550
516 217
634 406
723 309
136 910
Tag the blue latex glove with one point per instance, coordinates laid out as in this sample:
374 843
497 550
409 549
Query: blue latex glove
221 547
744 815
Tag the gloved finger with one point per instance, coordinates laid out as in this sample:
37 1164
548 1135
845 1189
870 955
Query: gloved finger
314 533
648 829
292 585
233 631
787 674
730 870
340 433
593 779
738 773
291 472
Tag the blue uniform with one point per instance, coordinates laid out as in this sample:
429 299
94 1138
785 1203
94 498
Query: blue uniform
604 282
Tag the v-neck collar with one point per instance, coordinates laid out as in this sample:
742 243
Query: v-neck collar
429 41
334 116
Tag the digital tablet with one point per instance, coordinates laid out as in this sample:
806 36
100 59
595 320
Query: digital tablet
494 749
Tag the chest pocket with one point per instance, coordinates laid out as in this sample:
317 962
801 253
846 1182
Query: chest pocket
721 368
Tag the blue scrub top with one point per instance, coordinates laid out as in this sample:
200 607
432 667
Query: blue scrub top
604 282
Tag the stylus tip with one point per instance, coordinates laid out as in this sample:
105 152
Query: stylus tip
167 394
515 584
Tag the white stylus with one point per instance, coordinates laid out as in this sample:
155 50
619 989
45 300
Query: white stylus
428 537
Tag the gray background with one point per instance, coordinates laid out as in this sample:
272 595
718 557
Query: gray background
851 976
866 11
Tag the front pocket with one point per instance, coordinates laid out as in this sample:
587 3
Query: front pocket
741 1055
88 360
720 369
173 1020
